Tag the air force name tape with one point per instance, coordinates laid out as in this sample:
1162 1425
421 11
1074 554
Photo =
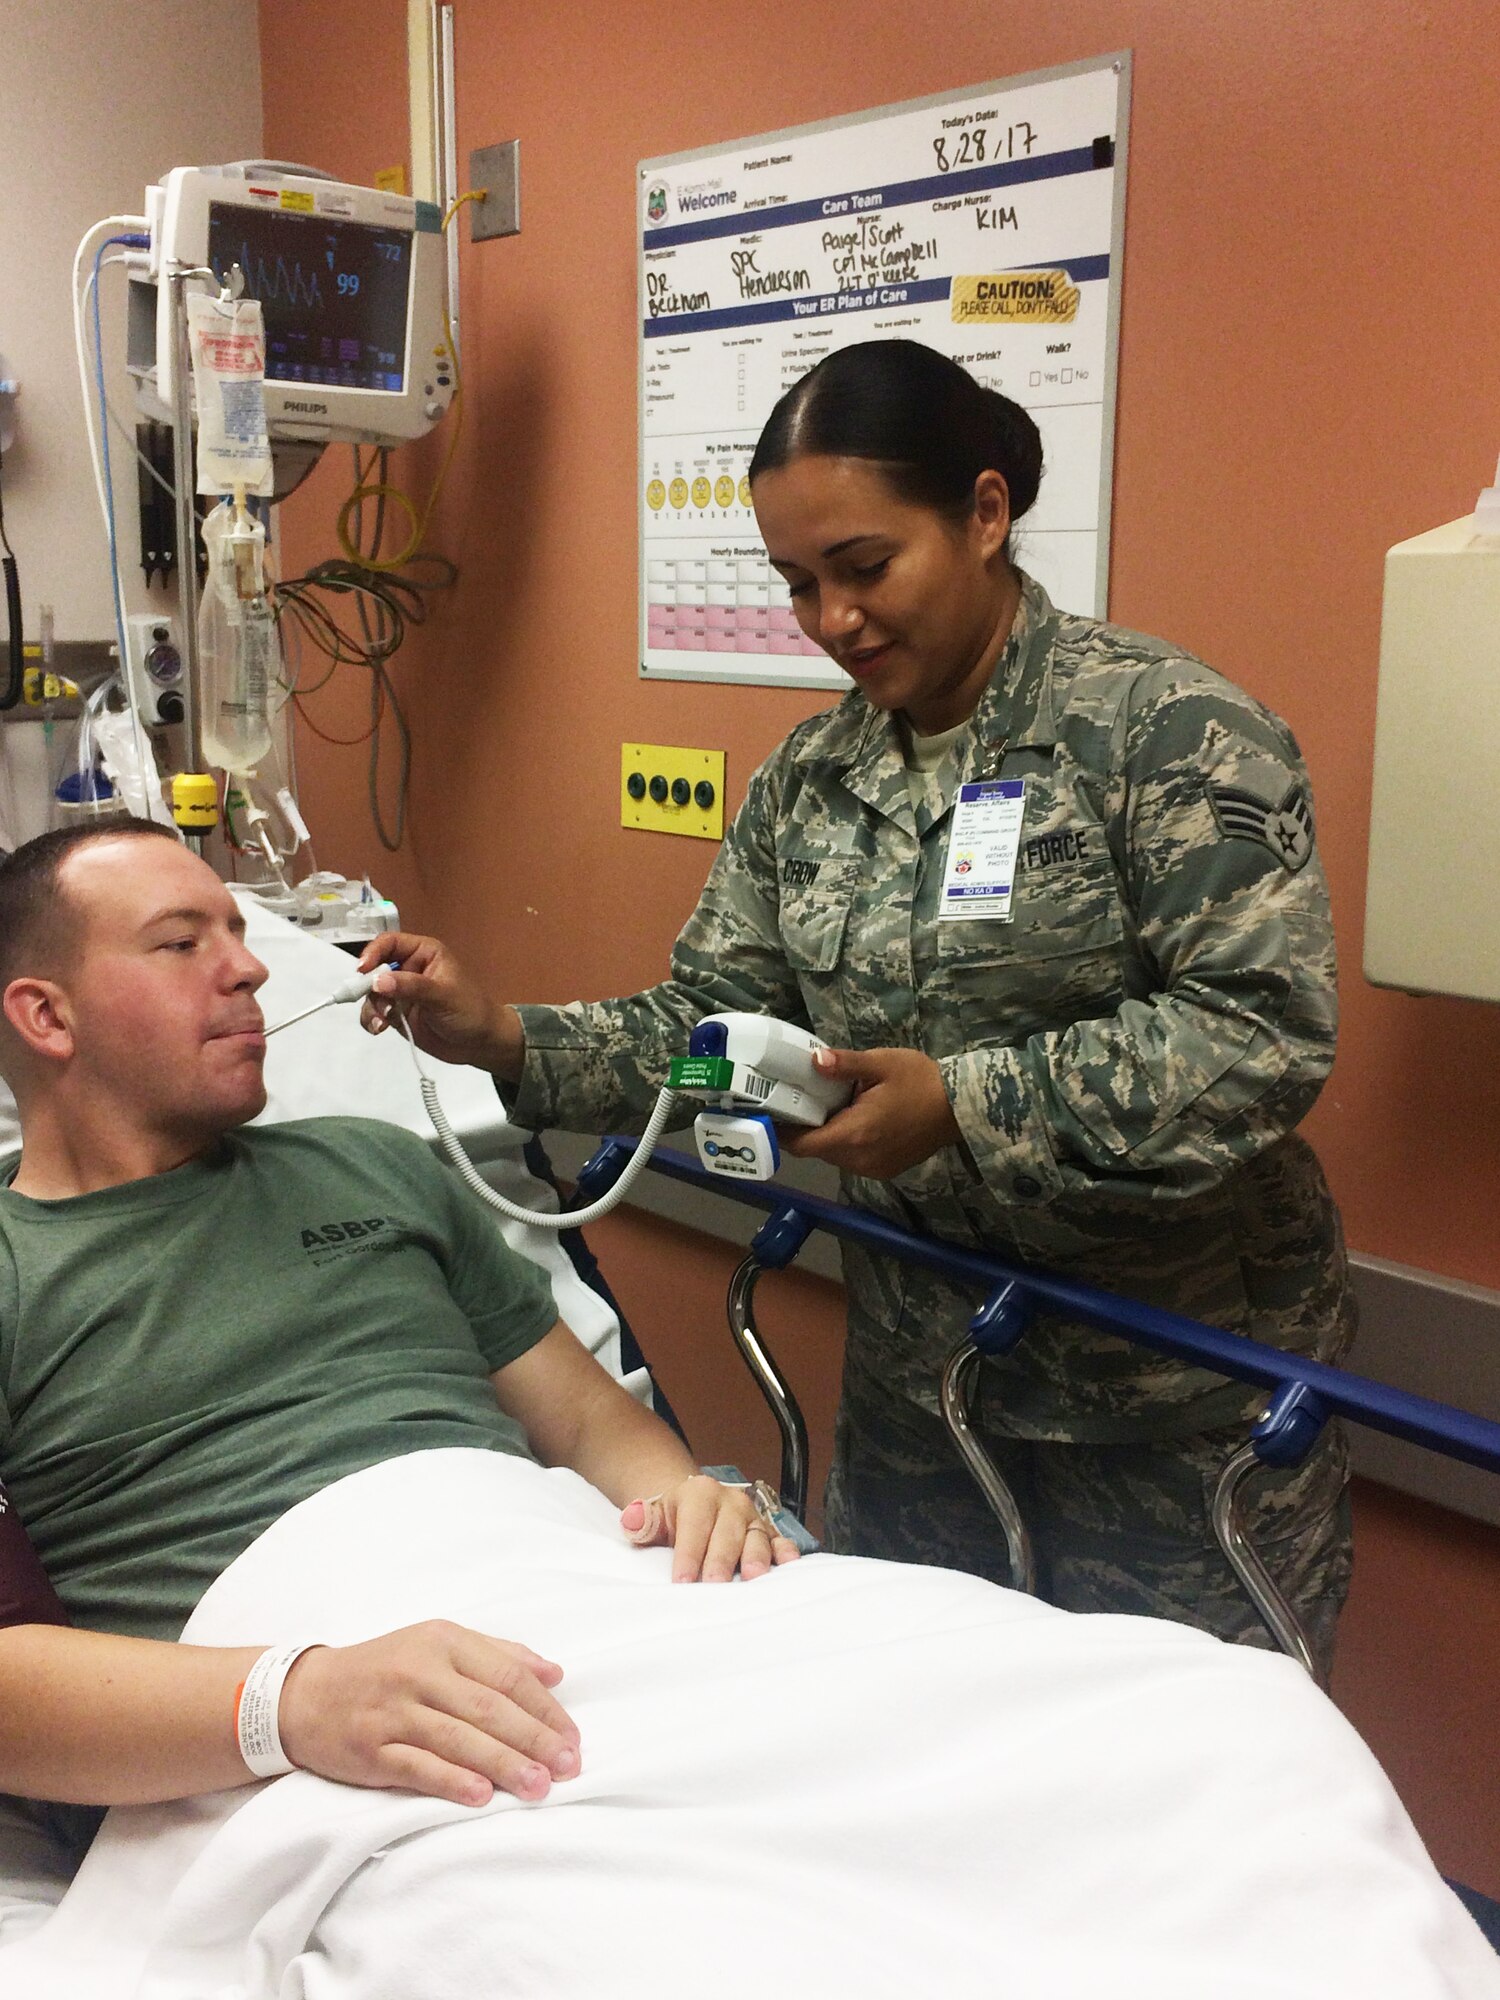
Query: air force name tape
1286 829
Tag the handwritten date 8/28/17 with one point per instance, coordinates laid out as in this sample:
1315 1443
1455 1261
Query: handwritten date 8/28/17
978 144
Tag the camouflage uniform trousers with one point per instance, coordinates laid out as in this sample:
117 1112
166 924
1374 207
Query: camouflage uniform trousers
1122 1527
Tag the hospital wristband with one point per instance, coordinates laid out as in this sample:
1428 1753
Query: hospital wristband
257 1711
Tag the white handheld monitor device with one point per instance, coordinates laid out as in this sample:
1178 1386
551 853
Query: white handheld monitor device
752 1070
351 283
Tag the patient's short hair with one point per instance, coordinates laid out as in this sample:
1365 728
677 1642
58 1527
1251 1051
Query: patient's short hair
35 922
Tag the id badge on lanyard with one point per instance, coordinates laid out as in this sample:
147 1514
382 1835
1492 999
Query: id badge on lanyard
984 838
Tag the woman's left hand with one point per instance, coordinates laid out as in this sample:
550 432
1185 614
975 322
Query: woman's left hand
899 1114
712 1530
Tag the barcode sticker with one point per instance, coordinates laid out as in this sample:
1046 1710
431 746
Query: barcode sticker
244 410
752 1084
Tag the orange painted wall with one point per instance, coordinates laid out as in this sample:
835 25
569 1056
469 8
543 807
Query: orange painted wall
1310 371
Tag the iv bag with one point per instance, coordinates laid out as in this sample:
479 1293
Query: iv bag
228 340
238 647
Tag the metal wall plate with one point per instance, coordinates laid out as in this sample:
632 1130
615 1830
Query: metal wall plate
496 169
667 790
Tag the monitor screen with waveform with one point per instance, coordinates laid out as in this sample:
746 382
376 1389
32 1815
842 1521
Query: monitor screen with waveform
334 294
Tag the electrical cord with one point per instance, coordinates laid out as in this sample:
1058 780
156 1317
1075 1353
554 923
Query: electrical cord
133 240
385 491
126 434
15 676
359 988
469 1174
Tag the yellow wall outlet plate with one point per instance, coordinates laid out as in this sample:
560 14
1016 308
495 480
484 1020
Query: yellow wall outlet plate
666 790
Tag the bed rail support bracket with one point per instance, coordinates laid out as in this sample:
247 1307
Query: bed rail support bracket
1290 1425
779 1238
1001 1322
959 1385
1283 1436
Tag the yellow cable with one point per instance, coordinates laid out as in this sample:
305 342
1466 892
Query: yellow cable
471 194
383 491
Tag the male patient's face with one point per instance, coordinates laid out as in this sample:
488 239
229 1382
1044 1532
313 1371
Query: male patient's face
161 987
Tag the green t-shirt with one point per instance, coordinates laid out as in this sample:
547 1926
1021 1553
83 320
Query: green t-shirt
184 1358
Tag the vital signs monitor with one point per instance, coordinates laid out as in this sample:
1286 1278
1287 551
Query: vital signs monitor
351 282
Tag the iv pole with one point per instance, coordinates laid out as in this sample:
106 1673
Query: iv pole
187 519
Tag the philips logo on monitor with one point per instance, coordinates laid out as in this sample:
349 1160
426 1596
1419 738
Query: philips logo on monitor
305 409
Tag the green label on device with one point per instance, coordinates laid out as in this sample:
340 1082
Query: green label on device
701 1073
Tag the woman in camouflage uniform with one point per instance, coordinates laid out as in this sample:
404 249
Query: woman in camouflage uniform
1104 1083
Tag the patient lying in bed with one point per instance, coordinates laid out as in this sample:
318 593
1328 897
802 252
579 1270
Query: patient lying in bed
292 1379
206 1325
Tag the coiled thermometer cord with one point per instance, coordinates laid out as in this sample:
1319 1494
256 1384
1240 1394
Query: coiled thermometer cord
359 988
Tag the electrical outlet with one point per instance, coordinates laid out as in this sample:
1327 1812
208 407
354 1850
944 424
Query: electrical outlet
666 790
496 169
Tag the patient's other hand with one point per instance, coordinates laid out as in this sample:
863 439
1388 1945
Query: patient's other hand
433 1708
449 1013
713 1530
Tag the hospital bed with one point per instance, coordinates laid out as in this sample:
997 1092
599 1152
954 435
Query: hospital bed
311 1875
1302 1394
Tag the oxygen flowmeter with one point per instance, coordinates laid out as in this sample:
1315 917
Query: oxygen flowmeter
753 1071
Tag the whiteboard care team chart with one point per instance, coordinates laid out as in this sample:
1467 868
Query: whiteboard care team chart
987 223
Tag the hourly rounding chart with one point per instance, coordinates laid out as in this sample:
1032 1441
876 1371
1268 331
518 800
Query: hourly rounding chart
987 223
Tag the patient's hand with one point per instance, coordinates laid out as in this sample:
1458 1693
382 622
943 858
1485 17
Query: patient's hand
713 1531
434 1709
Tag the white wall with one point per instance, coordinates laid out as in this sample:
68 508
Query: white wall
97 98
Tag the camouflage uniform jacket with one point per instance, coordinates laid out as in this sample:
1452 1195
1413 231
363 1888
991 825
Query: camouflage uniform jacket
1126 1057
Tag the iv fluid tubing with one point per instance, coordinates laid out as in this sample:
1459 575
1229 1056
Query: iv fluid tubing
136 238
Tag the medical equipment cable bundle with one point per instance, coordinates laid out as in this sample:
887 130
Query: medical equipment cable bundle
130 234
387 593
387 604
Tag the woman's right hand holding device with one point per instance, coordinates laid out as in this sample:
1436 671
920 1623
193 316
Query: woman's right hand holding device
449 1013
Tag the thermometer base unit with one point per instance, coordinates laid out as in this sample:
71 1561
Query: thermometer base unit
732 1145
752 1069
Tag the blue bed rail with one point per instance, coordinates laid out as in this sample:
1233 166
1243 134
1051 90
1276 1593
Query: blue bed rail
1304 1392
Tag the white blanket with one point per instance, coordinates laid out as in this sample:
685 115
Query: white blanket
849 1778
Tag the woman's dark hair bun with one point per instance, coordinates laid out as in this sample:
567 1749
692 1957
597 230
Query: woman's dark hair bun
1015 449
923 418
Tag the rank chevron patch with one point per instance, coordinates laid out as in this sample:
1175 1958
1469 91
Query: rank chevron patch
1286 829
